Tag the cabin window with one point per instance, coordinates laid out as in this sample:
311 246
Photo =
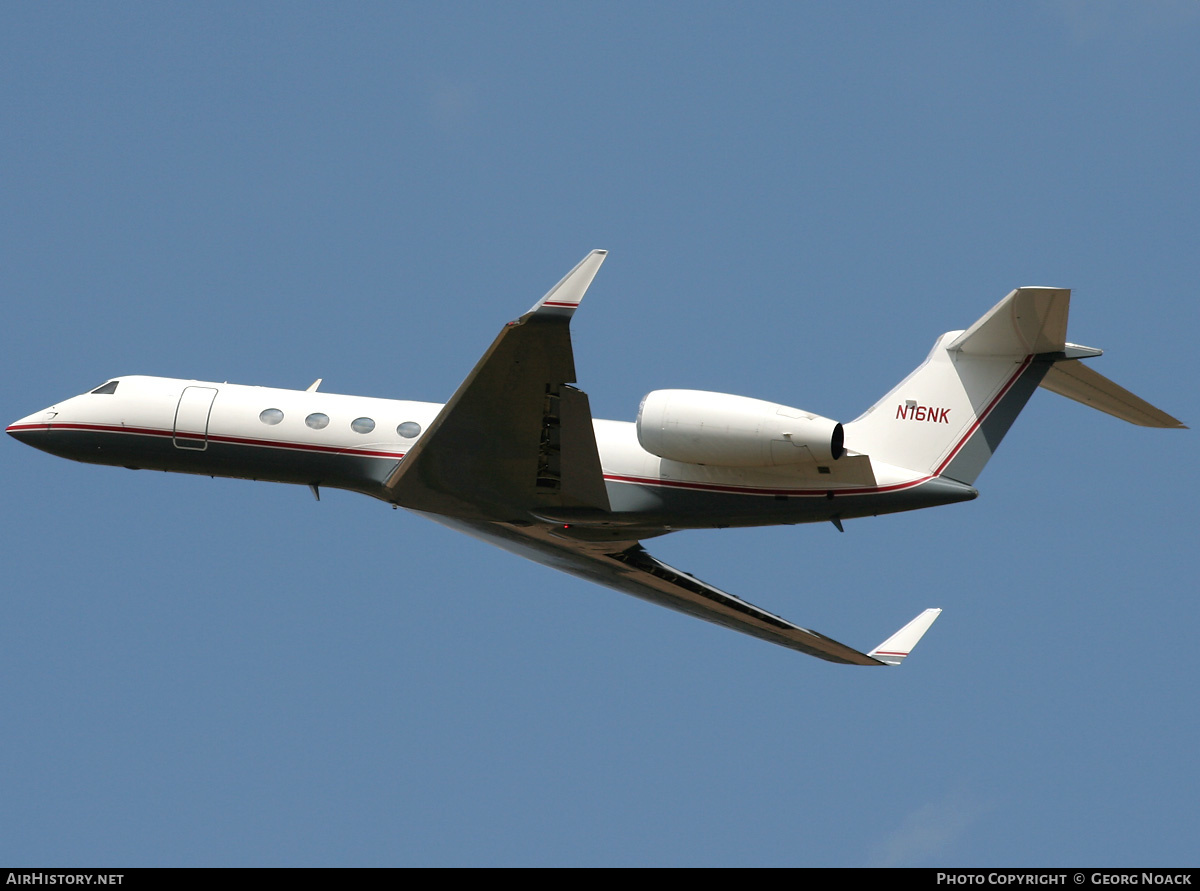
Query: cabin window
409 429
106 389
317 420
362 425
270 416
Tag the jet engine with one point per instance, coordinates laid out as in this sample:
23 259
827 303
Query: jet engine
697 427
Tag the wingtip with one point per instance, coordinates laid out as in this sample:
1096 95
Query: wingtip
896 648
564 298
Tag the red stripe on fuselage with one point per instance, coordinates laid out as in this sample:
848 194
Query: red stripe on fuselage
755 490
197 437
821 492
983 417
610 477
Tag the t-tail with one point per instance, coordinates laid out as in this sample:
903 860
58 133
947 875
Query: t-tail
948 417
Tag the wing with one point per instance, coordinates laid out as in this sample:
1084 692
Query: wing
512 459
515 438
626 566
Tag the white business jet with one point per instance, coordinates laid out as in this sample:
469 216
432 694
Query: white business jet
516 458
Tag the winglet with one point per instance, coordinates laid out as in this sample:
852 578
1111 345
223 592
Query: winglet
563 299
893 650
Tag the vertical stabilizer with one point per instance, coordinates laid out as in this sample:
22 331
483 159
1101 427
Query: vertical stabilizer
947 418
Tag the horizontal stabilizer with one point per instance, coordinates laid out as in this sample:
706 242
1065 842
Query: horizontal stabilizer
894 650
1028 320
1076 381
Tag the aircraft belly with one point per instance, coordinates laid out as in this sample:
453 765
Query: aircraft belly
680 507
150 449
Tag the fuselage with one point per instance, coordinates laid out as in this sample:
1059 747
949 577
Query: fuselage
329 440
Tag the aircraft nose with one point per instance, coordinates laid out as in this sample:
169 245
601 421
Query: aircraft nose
28 428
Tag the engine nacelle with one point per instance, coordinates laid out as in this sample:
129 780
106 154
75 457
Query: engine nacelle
697 427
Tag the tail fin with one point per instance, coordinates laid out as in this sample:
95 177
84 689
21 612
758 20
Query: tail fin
949 415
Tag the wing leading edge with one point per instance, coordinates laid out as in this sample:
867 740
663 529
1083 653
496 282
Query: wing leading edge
515 446
627 566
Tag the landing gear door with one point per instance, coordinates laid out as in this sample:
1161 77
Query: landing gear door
191 418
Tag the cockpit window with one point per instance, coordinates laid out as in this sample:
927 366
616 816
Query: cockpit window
106 389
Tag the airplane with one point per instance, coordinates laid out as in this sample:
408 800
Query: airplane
515 457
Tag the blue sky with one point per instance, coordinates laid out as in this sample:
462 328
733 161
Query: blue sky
797 199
